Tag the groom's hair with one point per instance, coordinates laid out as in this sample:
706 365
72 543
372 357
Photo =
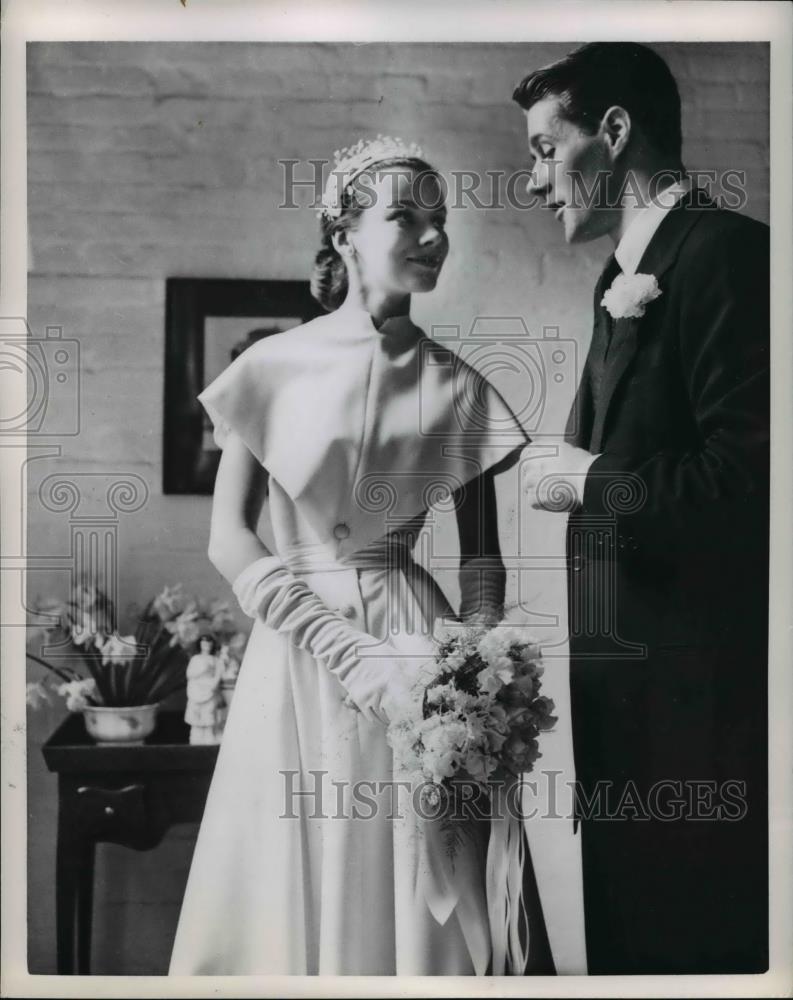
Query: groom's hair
591 79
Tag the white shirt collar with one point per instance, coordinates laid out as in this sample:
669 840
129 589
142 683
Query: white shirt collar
641 230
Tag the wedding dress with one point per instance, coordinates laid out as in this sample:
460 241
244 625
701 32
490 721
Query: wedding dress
307 860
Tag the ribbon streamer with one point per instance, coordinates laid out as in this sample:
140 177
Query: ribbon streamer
506 858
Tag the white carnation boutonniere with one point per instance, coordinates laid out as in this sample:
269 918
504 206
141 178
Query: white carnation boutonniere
629 295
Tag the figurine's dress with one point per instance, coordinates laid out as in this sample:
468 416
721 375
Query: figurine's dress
361 431
203 691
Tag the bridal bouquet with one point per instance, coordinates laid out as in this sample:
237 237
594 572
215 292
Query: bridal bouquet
139 668
481 717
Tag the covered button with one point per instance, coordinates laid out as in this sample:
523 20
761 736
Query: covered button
341 531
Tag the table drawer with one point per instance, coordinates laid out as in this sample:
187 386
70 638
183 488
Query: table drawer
116 814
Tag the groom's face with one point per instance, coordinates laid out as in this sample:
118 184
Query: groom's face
571 172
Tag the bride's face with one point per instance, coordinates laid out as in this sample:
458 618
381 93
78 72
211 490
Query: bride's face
400 240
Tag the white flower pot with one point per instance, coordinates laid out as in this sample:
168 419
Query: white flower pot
120 725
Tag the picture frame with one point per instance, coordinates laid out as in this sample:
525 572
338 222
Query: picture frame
209 322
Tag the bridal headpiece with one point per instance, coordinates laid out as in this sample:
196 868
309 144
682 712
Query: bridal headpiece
351 161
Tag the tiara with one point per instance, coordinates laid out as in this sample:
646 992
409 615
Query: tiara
353 160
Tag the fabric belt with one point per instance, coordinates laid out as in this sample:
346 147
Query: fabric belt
388 553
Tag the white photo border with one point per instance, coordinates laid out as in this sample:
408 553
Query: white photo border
406 20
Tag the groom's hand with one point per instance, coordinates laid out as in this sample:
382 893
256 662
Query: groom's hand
554 474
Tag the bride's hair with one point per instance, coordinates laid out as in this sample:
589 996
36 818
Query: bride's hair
329 277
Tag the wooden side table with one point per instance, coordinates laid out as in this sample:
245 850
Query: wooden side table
126 795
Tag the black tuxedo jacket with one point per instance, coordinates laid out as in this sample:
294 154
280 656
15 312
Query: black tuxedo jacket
668 604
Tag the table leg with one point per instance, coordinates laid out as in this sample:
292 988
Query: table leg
74 880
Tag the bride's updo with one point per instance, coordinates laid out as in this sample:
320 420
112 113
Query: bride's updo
329 277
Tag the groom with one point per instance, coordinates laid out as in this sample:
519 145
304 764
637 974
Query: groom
665 470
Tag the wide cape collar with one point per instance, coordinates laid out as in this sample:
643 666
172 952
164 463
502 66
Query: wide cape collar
363 428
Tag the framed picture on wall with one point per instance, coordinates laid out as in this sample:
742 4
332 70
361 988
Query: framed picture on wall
208 323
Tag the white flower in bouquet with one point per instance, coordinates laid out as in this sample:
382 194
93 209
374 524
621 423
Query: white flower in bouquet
89 610
500 641
118 649
187 626
474 705
36 694
454 661
481 713
78 693
493 678
475 722
443 747
152 660
170 602
441 693
436 695
531 653
431 795
85 630
493 644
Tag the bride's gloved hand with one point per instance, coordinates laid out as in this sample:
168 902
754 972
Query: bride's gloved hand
380 680
406 681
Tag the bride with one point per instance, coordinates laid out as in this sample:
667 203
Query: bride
354 425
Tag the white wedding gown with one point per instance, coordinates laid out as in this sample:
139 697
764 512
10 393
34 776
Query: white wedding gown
358 432
271 894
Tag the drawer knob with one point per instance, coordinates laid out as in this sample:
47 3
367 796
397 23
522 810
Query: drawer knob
110 811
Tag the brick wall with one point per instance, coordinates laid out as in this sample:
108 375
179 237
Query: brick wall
149 160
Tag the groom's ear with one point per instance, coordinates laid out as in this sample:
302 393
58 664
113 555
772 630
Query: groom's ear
616 125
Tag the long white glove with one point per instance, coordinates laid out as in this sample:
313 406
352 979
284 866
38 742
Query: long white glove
382 684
